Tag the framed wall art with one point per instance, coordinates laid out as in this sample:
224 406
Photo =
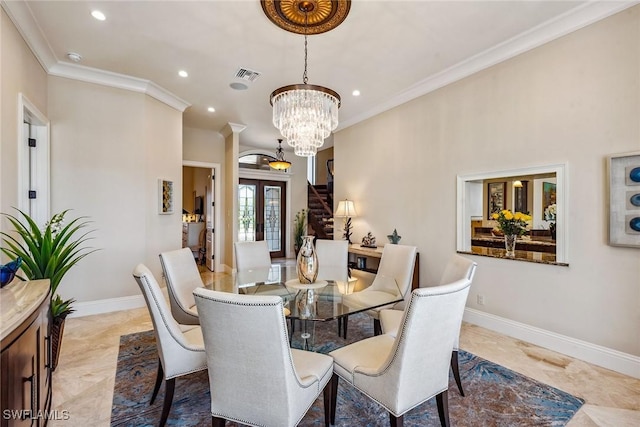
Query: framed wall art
548 197
165 197
624 199
496 198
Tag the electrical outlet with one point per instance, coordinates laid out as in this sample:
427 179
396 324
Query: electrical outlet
480 299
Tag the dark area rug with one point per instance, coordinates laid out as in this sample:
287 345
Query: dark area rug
496 396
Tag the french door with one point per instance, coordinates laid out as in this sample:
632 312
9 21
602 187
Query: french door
261 208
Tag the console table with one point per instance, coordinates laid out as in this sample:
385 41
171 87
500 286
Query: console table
25 358
371 257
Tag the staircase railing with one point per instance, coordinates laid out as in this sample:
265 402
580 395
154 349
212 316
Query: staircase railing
317 196
317 226
315 221
330 183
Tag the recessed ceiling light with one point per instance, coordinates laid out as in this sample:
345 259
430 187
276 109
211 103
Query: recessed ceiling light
98 15
211 110
355 93
183 73
238 86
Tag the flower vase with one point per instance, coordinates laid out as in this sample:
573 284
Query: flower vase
307 264
552 230
510 244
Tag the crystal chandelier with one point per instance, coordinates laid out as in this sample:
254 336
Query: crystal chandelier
280 163
305 114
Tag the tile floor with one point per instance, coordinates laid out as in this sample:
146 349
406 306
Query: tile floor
83 382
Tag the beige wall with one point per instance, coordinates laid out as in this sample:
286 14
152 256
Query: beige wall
574 100
20 73
109 147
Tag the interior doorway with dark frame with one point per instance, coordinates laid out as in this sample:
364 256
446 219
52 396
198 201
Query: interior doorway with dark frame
261 213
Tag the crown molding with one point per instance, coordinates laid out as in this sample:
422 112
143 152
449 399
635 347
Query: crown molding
557 27
120 81
573 20
22 17
231 128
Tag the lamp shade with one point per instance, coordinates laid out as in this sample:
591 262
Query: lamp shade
517 184
346 209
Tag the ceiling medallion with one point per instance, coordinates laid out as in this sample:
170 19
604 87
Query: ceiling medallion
322 15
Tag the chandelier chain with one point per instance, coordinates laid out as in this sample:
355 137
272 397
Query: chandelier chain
305 79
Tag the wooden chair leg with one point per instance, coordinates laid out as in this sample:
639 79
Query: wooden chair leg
377 327
292 329
442 400
396 421
217 422
456 370
159 377
345 322
327 404
168 399
334 397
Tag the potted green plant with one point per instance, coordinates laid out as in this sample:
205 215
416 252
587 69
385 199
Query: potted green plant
49 254
299 229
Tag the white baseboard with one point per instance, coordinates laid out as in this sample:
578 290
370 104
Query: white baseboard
618 361
107 305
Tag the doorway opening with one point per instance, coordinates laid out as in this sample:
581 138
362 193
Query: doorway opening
200 211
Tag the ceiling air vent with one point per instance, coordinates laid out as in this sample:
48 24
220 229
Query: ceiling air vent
247 74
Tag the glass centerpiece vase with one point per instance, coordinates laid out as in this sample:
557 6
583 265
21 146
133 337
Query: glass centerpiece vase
307 262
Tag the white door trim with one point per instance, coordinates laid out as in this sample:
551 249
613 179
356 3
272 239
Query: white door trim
33 174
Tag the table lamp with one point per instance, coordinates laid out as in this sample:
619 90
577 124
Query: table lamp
346 209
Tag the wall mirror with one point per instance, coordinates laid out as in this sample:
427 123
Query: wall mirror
539 191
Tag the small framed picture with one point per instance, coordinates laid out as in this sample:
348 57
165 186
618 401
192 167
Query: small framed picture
624 199
548 197
165 197
496 198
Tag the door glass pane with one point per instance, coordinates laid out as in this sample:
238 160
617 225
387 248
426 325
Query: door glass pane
272 208
247 213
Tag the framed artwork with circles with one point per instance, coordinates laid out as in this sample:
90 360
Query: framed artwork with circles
624 199
165 197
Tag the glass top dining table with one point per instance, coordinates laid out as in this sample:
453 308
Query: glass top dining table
322 301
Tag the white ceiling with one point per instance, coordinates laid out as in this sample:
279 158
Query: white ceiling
391 51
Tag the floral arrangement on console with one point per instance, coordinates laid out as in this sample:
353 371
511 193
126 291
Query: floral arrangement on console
511 223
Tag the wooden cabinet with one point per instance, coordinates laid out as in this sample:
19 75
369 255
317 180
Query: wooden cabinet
367 260
25 358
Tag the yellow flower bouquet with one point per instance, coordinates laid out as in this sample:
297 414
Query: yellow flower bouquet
511 223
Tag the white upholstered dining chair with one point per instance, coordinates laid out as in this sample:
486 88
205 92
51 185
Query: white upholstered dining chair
180 348
251 255
394 276
254 376
457 268
182 276
404 371
333 259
